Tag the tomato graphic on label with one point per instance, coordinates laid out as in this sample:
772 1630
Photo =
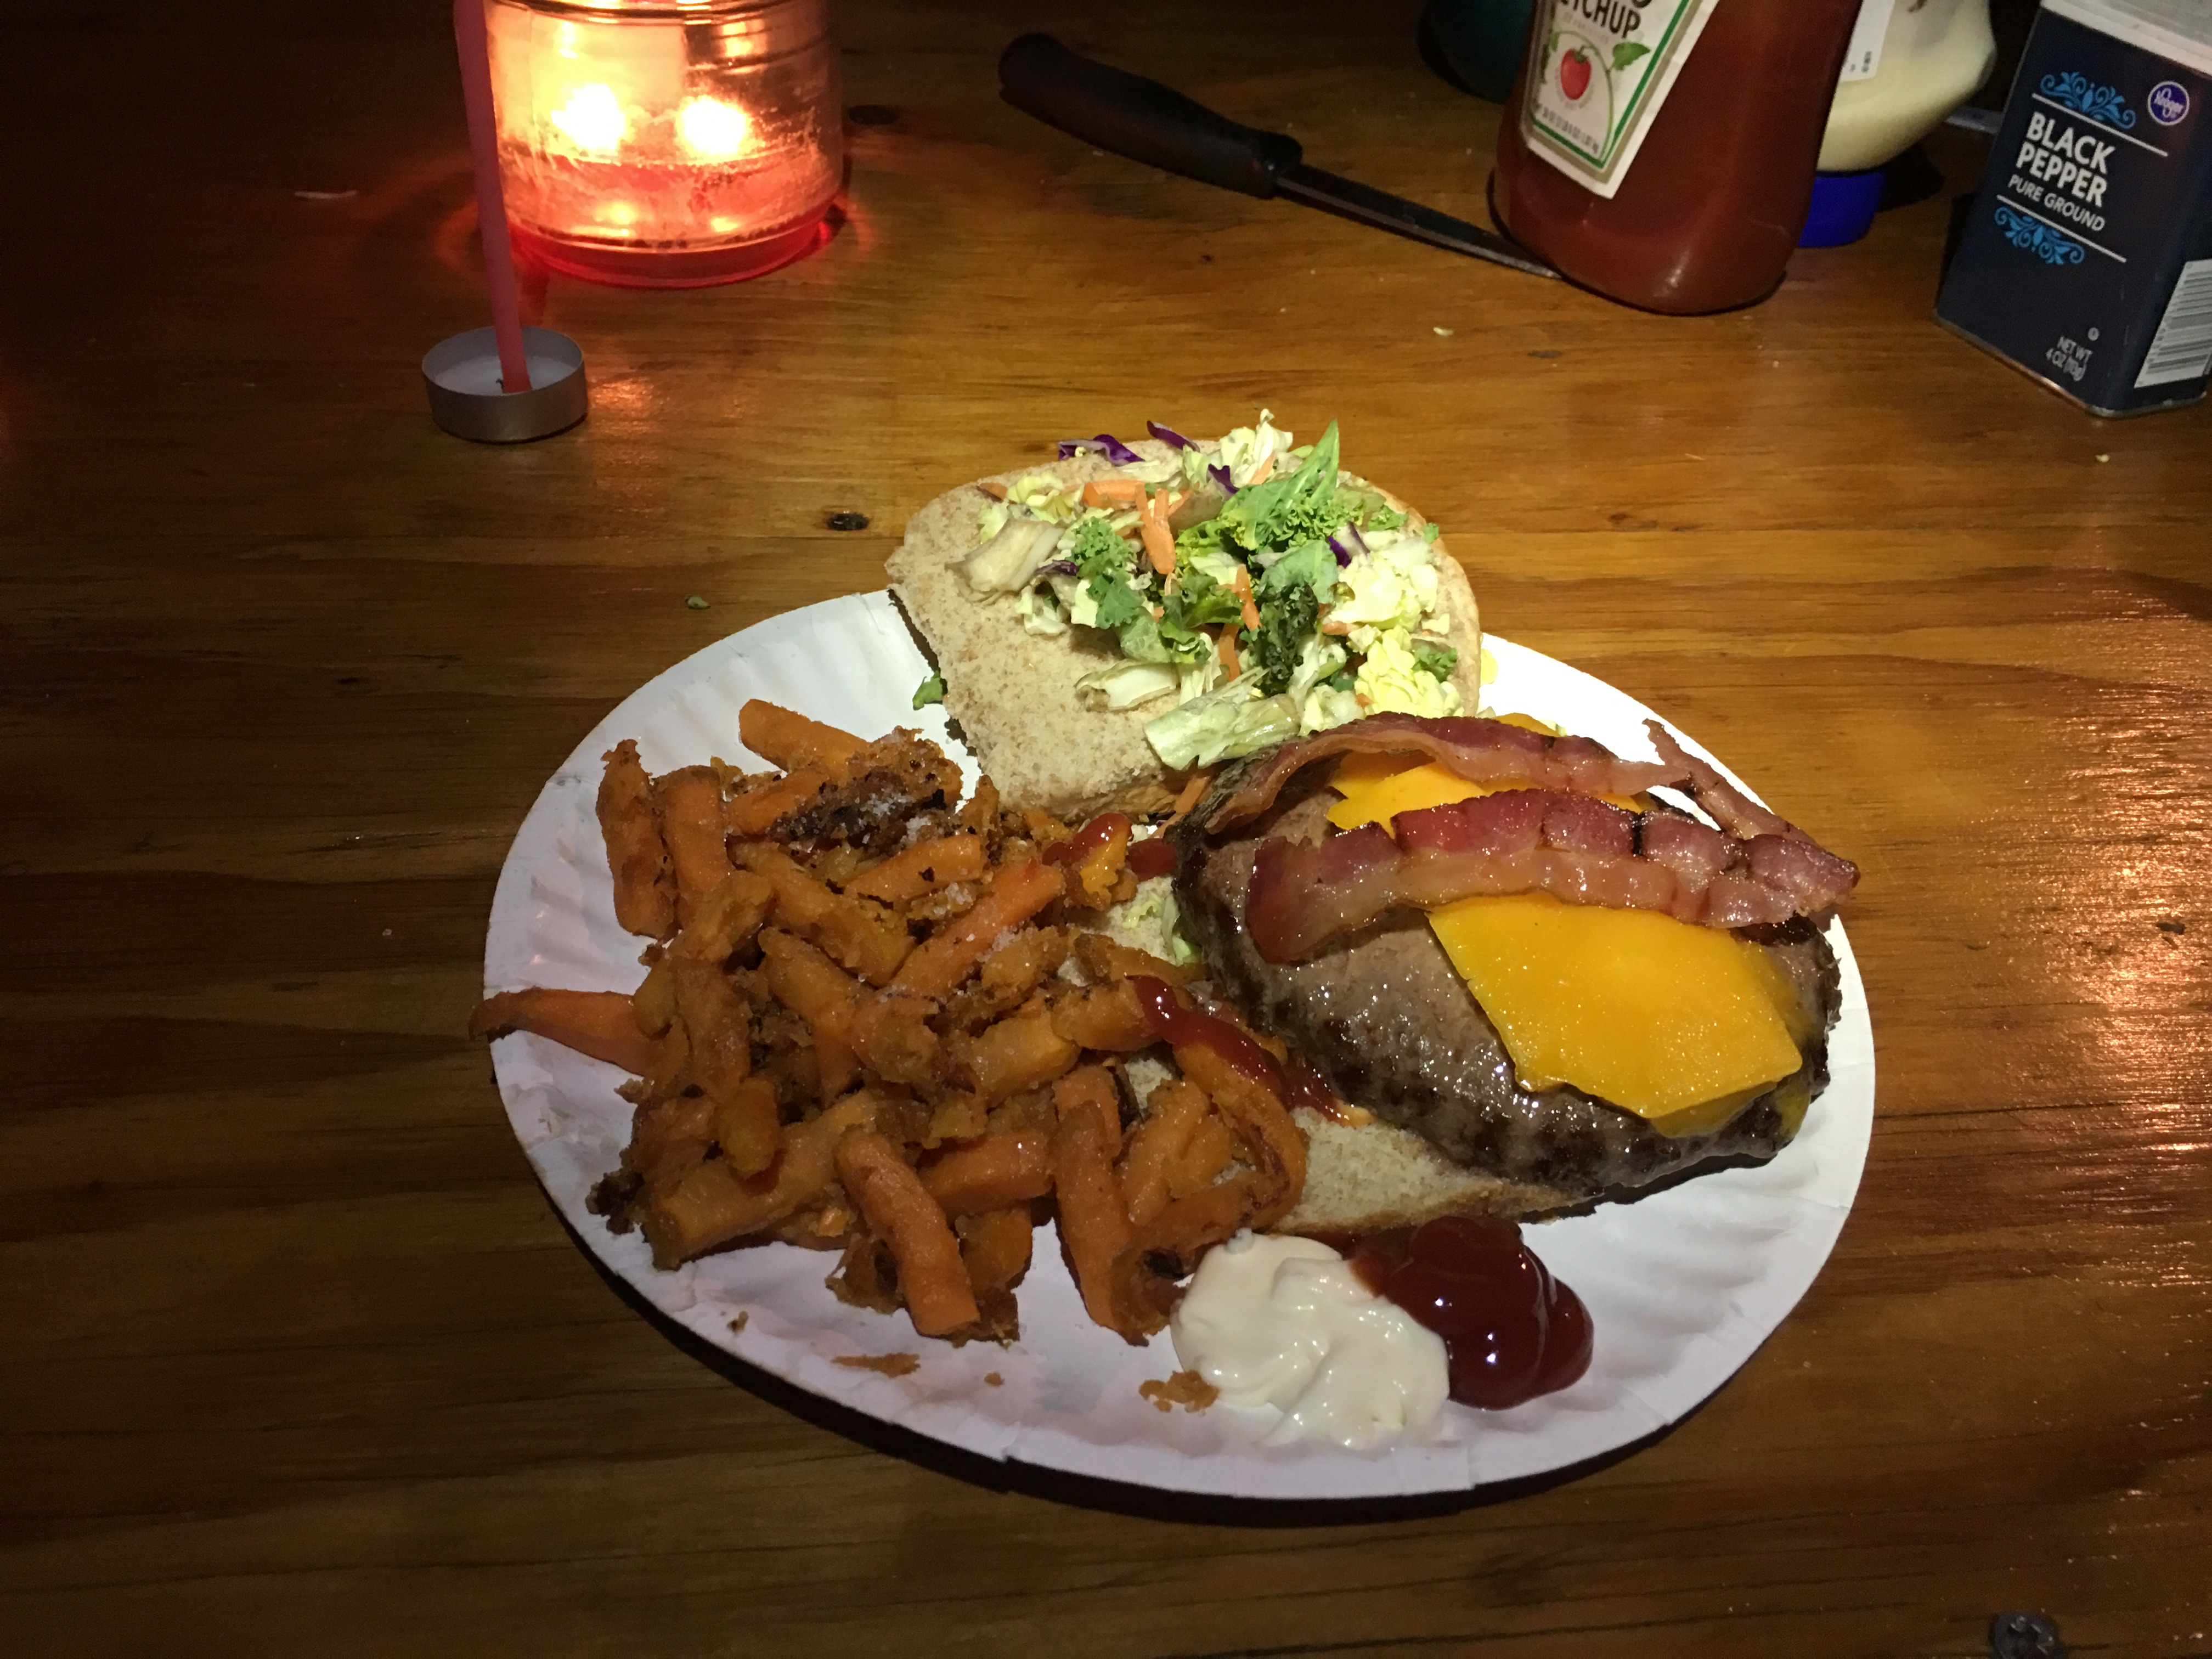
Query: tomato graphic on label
1575 74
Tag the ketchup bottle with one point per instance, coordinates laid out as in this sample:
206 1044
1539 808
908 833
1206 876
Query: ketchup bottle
1662 151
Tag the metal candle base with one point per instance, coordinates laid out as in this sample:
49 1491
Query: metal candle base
461 376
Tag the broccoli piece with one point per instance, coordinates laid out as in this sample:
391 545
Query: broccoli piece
1438 660
1287 621
1102 559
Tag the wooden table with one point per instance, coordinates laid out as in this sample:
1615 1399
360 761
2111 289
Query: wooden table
299 1361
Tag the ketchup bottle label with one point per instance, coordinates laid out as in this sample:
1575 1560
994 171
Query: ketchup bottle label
1599 71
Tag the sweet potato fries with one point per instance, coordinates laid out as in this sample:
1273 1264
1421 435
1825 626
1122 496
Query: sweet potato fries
877 1020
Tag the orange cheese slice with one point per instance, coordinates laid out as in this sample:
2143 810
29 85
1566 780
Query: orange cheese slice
1653 1014
1682 1025
1378 798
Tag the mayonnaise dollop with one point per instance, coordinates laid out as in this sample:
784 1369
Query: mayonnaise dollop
1286 1323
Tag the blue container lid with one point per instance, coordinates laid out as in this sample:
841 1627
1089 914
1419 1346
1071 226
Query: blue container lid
1843 208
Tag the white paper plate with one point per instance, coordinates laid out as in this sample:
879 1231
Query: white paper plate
1682 1287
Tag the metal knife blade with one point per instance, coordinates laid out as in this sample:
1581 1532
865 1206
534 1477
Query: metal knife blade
1369 206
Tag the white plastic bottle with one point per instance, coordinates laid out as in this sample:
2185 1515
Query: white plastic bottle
1911 62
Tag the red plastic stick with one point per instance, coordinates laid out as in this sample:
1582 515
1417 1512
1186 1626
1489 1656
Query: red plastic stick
469 34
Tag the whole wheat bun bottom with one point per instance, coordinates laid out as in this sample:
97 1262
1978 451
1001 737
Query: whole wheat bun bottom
1376 1176
1013 696
1012 693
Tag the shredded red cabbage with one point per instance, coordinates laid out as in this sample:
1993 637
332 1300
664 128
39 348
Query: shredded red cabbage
1058 568
1168 434
1344 554
1220 475
1106 444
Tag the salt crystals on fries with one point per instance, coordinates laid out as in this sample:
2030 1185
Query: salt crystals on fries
879 1021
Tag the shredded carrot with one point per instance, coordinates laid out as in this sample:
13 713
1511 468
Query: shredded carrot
1244 585
1339 629
1259 473
1365 701
1225 646
1158 539
995 491
1193 792
1114 492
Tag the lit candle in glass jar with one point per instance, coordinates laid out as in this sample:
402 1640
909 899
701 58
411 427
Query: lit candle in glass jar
666 144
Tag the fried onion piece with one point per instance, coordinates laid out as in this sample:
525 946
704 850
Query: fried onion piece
784 737
1094 1217
1099 875
994 1247
717 1024
884 786
669 1074
1144 1281
1261 1124
1210 1150
1094 1086
892 1035
994 1172
1172 1115
668 1140
1017 891
1014 968
637 856
653 1003
724 922
601 1023
711 1205
945 904
980 816
867 1277
900 1212
1020 1052
760 806
1102 959
690 801
862 936
746 1126
715 1015
1107 1017
959 1115
924 867
820 993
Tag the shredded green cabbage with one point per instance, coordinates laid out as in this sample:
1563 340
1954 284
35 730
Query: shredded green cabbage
1168 635
1222 725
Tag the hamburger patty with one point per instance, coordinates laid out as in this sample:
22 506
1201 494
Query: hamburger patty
1389 1024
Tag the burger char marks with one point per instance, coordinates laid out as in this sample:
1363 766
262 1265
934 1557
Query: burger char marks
1389 1025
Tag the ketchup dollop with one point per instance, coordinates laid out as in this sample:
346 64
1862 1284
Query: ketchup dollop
1074 848
1174 1021
1308 1089
1156 857
1512 1331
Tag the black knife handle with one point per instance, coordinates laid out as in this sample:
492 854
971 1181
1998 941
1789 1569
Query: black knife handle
1140 118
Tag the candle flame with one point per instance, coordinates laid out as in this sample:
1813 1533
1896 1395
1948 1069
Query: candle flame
592 119
711 129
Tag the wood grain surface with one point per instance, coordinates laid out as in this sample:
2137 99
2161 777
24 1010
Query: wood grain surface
297 1359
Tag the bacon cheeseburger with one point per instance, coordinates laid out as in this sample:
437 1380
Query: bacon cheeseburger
1533 984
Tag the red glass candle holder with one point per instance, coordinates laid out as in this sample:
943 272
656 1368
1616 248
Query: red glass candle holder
666 144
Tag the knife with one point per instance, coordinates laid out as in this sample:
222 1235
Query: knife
1148 122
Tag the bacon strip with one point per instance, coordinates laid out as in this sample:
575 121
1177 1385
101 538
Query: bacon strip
1523 840
1731 809
1478 749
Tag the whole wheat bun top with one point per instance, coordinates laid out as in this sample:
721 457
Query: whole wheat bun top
1013 692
